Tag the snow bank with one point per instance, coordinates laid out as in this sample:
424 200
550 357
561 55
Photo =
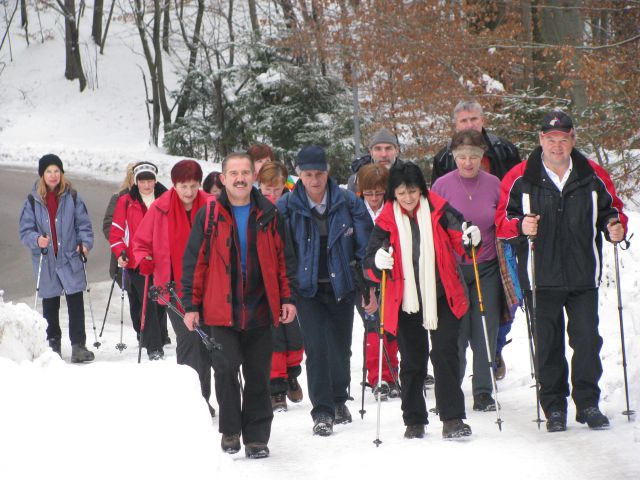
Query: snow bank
23 334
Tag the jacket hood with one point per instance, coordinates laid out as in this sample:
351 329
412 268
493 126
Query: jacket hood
358 163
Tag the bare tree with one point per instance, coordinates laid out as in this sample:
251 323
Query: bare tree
73 65
192 46
96 26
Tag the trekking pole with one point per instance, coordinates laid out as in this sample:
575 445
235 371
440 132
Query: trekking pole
144 314
121 345
628 412
364 367
104 320
43 251
530 336
377 441
486 336
83 257
534 325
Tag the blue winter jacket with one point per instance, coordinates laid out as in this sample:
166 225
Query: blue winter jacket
349 226
62 274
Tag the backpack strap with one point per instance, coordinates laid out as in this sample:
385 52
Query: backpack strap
211 220
32 202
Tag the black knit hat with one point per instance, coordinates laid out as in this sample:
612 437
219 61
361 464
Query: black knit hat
49 159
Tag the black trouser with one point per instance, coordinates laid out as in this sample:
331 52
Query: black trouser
252 414
413 343
75 308
584 339
189 351
152 336
327 326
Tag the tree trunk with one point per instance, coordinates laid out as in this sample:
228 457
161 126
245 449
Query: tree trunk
193 56
166 25
24 23
73 68
96 27
164 107
153 74
253 16
232 38
527 37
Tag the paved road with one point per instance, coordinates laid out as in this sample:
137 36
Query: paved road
16 278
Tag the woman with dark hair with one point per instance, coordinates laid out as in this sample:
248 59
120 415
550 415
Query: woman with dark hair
212 184
424 292
55 226
130 210
260 154
475 193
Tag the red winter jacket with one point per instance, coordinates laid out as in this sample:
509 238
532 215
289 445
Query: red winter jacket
152 238
207 282
127 216
447 236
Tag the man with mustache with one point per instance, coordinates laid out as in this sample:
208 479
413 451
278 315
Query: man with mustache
238 281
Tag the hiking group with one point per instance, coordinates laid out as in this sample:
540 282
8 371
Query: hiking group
256 271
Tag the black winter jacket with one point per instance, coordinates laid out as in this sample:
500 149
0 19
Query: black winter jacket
568 248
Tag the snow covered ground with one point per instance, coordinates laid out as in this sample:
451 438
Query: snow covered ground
116 419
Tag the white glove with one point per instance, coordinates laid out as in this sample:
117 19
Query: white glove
384 259
471 236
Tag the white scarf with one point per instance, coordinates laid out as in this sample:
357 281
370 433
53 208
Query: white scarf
148 199
426 262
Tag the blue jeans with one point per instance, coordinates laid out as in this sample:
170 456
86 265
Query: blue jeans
327 326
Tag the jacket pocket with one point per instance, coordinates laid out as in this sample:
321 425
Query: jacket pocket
74 261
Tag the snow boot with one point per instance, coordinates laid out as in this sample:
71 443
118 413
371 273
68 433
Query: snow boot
557 421
256 450
156 354
483 402
80 354
343 415
279 402
414 431
501 368
323 425
294 390
230 443
593 417
455 428
382 391
394 390
55 345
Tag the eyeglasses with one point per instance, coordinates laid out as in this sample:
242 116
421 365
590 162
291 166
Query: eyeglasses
373 194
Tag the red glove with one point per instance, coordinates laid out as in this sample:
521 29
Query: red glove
146 267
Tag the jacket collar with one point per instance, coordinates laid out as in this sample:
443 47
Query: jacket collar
298 200
164 201
534 171
265 210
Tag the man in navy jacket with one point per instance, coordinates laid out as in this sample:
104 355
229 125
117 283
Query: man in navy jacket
330 229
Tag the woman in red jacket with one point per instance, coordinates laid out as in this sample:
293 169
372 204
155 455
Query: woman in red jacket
158 246
424 292
129 212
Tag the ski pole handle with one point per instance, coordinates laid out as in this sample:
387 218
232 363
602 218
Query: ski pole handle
83 257
44 250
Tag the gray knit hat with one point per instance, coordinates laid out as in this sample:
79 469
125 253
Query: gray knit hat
384 135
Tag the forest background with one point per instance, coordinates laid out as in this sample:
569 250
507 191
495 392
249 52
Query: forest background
219 75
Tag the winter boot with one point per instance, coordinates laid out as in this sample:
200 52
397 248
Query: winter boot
455 428
414 431
381 390
80 354
394 390
166 341
54 344
343 415
429 380
557 421
156 354
294 390
501 368
230 443
279 402
256 450
483 402
593 417
323 425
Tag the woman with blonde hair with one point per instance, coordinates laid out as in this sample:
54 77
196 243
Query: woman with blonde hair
55 225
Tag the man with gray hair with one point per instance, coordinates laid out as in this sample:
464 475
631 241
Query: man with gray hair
383 150
501 156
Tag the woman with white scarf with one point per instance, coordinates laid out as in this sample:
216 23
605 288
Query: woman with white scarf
414 240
